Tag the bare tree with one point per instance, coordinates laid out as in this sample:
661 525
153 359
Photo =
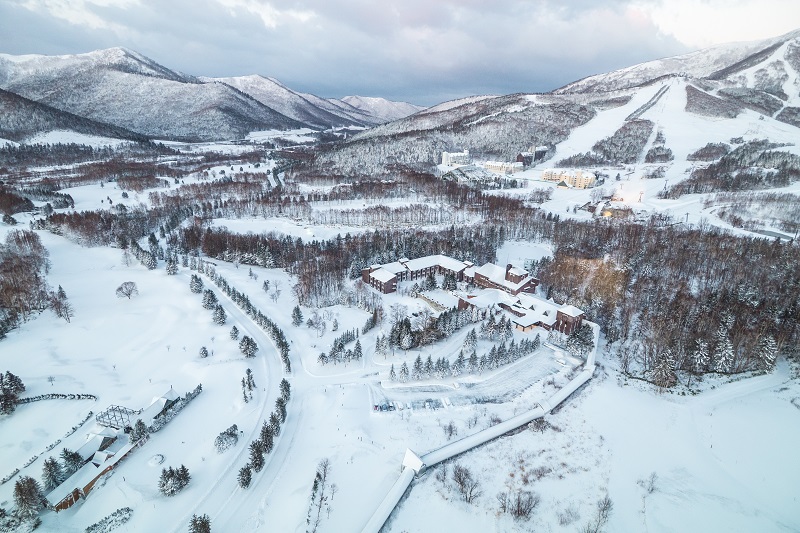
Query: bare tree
320 495
467 485
519 505
127 289
604 508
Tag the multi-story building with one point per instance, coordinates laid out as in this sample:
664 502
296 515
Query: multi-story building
456 158
512 280
580 179
503 167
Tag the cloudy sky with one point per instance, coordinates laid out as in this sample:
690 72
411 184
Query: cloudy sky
423 51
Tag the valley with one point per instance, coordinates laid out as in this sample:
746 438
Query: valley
393 301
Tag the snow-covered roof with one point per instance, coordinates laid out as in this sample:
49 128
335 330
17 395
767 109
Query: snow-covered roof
86 473
395 267
494 272
436 260
497 274
91 446
571 310
102 431
382 275
171 395
524 321
488 297
517 271
443 298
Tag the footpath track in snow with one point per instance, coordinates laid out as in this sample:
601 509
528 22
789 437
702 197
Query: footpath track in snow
410 470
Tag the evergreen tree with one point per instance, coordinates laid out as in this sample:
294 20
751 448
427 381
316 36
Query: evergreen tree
428 368
357 354
11 387
52 476
245 476
472 366
139 431
767 351
167 484
72 462
406 340
723 351
280 408
203 352
417 369
248 346
404 373
172 267
335 325
459 365
219 316
286 390
379 345
149 260
196 284
28 497
449 283
275 423
234 333
471 341
581 341
392 374
267 437
430 283
297 316
182 476
200 524
257 455
700 357
209 299
664 372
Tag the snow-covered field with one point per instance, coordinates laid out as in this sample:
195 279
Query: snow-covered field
723 461
712 475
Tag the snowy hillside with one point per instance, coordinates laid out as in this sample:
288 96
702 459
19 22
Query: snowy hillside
749 90
21 119
715 62
382 108
277 96
125 89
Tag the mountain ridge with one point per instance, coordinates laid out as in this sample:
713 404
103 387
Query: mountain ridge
125 89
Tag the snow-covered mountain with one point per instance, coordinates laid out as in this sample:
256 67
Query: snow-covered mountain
315 111
125 89
22 119
747 90
718 62
382 108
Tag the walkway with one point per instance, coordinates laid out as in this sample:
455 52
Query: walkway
413 465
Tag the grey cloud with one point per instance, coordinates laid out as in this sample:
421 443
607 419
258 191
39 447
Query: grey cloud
421 51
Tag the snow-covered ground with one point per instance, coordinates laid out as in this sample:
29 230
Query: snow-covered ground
723 461
299 136
711 474
68 136
287 227
706 450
